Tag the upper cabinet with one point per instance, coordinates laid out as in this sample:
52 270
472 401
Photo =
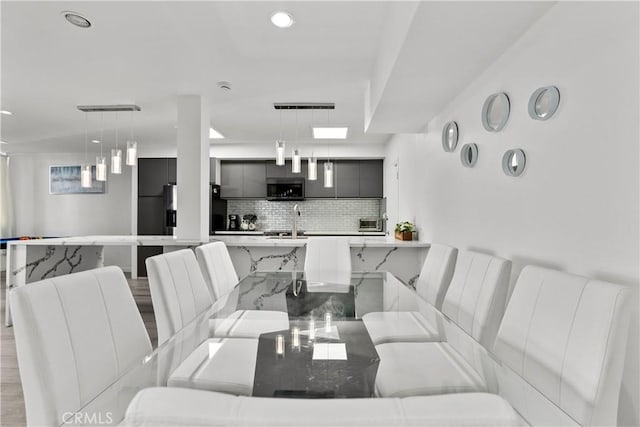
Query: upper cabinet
153 173
243 179
352 179
371 178
275 171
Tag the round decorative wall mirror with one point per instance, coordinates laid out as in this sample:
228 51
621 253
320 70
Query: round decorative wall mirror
450 136
495 112
513 162
469 155
544 102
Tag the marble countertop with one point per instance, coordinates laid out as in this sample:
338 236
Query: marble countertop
305 233
229 240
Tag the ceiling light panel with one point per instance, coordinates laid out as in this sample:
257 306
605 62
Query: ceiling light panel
330 133
6 113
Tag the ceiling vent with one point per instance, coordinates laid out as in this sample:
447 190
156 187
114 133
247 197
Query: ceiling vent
304 105
108 108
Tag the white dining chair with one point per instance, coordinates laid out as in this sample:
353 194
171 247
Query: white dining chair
75 334
473 307
217 268
328 260
178 291
431 286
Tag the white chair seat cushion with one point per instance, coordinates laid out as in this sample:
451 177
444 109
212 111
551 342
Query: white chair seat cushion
409 369
398 326
250 323
220 364
181 407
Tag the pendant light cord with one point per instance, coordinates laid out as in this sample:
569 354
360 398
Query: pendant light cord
101 132
116 130
280 139
85 137
131 125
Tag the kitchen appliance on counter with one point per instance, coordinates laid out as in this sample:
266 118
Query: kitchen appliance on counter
285 189
234 222
170 208
369 224
249 222
215 191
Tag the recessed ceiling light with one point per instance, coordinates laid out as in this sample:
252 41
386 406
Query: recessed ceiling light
3 142
330 133
282 19
6 113
95 141
76 19
214 134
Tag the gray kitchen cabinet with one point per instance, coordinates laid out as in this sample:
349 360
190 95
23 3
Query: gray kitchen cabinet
150 216
371 178
243 180
231 177
152 175
347 178
172 170
316 189
254 183
275 171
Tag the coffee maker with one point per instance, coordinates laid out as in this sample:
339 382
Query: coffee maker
234 222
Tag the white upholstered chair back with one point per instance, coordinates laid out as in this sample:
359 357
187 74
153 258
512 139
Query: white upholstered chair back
566 336
75 334
436 273
476 297
217 268
178 290
328 259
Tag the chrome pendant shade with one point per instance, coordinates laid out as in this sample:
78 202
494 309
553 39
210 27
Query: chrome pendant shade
132 153
101 168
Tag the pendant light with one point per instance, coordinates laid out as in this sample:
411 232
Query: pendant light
132 147
312 162
328 166
116 154
85 169
101 161
328 174
295 157
280 146
312 168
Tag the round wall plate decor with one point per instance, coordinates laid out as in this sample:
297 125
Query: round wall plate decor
495 112
450 136
469 155
513 162
544 103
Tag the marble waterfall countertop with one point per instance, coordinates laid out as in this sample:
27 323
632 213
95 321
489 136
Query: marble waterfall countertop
229 240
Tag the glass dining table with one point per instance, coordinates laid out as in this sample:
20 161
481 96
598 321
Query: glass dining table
314 344
274 335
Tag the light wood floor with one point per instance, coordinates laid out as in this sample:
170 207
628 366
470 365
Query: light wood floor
12 413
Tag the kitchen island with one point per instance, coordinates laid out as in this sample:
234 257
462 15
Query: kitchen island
33 260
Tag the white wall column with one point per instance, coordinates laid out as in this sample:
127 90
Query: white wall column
193 168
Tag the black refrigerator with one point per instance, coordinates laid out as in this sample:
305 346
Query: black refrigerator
217 211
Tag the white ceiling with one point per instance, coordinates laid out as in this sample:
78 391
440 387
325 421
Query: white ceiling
148 53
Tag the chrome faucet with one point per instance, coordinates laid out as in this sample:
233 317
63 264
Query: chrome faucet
294 224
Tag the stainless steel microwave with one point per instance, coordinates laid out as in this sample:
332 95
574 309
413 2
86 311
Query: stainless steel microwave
370 224
285 189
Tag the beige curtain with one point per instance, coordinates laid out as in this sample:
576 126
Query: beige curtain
6 201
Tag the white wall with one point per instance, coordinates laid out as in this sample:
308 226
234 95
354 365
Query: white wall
576 208
38 213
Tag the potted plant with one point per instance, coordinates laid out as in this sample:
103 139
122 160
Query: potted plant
404 230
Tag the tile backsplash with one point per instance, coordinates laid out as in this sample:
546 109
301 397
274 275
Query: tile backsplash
315 215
